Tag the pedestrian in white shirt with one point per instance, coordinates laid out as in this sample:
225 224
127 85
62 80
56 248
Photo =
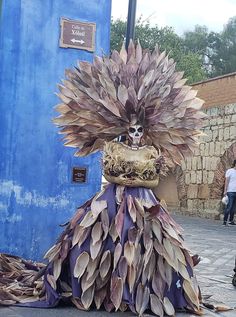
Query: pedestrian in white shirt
230 191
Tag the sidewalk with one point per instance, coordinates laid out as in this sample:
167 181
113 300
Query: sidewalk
214 243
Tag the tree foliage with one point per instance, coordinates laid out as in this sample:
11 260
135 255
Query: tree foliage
224 50
199 53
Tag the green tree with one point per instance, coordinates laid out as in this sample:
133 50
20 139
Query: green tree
217 50
191 63
198 42
118 29
149 36
224 49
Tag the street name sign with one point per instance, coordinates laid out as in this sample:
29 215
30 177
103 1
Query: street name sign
77 34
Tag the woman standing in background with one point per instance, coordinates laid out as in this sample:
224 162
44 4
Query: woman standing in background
230 191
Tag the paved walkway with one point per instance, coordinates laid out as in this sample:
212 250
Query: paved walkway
214 243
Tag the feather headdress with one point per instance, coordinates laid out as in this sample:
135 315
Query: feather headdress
100 101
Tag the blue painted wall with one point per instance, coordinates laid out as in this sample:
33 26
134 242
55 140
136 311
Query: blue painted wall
36 192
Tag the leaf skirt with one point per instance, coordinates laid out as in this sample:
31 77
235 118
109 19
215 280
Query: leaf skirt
121 250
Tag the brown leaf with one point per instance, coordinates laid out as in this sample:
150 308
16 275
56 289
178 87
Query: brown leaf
139 298
51 280
122 94
145 300
168 307
131 277
108 305
77 302
95 249
158 285
168 274
65 246
144 275
151 266
92 266
179 254
123 54
62 108
79 213
117 254
123 307
156 305
96 232
81 264
87 297
113 231
190 292
105 223
88 282
131 208
105 264
88 220
119 219
183 271
148 252
53 252
119 193
100 296
156 227
222 308
116 291
139 206
129 252
122 268
169 249
97 206
76 234
57 268
29 299
84 234
133 235
161 266
7 302
138 52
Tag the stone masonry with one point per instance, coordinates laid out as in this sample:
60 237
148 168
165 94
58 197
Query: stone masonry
203 174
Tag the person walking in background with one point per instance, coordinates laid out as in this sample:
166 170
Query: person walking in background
230 191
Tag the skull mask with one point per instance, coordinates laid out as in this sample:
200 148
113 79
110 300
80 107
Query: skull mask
135 134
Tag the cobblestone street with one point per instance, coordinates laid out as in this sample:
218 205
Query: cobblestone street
215 244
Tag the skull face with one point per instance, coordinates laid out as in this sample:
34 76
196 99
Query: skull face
135 134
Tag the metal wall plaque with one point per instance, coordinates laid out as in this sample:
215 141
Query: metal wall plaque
76 34
79 175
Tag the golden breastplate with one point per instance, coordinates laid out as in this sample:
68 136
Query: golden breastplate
130 167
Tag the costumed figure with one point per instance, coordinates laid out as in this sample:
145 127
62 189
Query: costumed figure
121 250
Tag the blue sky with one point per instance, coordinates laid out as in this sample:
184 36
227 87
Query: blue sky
182 15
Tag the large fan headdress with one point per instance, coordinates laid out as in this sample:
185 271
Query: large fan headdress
100 101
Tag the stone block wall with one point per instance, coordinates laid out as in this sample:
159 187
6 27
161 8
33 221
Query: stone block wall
199 180
200 170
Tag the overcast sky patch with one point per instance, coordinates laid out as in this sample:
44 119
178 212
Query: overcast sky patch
182 15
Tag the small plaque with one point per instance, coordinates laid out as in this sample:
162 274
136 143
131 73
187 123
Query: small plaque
79 175
76 34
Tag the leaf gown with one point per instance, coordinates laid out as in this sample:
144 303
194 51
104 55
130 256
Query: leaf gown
121 250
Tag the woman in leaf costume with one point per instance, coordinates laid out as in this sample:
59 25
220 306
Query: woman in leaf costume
121 250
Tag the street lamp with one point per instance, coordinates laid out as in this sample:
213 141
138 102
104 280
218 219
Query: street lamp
130 22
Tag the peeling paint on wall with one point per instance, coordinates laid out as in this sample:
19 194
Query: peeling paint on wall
27 198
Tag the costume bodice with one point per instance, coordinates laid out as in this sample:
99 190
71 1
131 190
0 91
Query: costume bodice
130 167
